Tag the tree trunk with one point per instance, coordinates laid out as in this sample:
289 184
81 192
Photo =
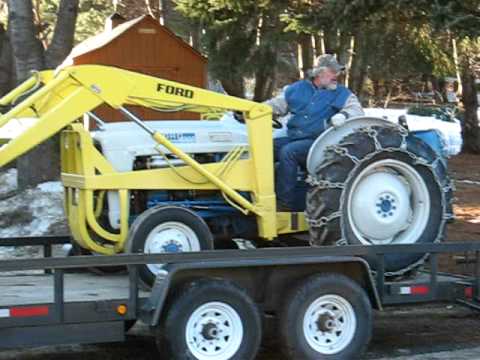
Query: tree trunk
7 78
377 89
470 128
266 57
358 71
232 80
319 44
347 58
153 8
233 84
43 162
130 9
196 35
62 41
305 57
330 38
344 52
40 164
167 9
27 49
457 67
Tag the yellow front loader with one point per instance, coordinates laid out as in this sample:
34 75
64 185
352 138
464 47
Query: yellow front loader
243 177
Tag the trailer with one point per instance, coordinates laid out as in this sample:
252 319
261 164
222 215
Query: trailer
212 305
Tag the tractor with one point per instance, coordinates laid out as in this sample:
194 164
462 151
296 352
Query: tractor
178 186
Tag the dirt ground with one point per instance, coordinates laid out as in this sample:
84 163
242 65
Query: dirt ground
465 170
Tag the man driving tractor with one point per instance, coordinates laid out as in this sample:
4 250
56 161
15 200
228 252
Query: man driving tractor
314 104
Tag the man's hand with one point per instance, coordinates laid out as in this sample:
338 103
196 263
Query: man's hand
338 120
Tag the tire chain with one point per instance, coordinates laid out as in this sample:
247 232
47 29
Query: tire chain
325 184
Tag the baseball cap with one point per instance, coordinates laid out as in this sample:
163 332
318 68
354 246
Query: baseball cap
329 61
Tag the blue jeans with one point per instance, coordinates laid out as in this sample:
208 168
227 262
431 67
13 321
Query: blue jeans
290 154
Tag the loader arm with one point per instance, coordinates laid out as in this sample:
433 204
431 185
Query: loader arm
64 97
75 90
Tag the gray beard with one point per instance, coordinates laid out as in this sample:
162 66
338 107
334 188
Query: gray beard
331 87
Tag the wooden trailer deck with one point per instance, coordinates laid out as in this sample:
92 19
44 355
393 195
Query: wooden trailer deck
38 288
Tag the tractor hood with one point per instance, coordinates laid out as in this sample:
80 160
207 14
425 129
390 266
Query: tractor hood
122 142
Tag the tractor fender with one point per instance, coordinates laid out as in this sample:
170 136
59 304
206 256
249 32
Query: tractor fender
333 136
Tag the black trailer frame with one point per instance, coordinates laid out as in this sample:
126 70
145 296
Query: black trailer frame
104 320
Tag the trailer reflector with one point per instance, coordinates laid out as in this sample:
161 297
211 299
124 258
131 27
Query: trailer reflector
469 292
414 290
122 309
24 311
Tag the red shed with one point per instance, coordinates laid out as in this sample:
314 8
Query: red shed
143 45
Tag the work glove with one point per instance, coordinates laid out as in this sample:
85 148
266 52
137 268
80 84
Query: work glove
338 120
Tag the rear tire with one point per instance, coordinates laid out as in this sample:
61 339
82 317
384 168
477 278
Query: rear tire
168 229
327 316
210 320
379 186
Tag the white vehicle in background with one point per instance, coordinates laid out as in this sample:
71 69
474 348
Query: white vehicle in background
449 128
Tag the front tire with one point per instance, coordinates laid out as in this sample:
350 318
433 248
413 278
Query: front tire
327 316
168 229
210 320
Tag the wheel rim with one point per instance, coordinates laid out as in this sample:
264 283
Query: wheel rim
214 332
389 203
170 237
329 324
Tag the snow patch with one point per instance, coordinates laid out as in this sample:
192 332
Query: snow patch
51 186
8 181
32 212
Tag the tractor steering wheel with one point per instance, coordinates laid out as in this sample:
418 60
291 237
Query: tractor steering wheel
276 123
238 115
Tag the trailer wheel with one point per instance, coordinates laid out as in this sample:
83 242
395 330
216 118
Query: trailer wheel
380 186
169 229
327 316
210 320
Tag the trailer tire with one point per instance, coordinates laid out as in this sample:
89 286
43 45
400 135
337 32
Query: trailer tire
326 316
164 230
380 186
210 319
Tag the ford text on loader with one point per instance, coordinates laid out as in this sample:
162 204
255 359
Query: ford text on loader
163 187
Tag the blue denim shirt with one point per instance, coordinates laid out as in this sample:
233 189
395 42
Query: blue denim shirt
311 107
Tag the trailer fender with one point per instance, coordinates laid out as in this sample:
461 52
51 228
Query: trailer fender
262 278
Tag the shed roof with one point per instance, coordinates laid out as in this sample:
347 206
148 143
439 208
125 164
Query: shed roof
107 36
